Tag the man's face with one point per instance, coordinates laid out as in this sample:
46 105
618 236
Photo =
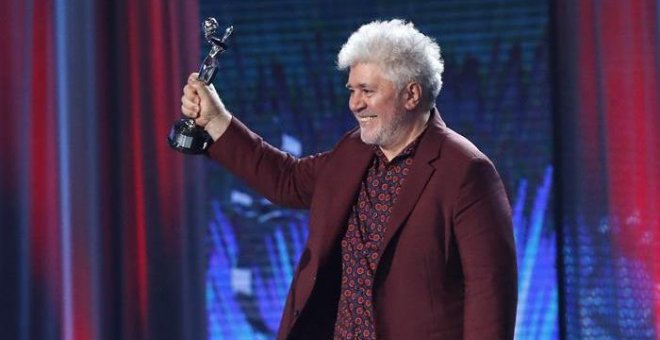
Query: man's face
377 106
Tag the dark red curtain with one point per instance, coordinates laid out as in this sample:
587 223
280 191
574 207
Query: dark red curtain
608 127
102 224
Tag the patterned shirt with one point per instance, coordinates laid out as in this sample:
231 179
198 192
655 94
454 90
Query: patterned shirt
362 241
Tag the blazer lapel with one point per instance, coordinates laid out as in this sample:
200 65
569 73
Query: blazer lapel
329 213
342 187
420 173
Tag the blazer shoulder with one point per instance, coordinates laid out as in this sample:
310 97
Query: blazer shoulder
465 163
461 150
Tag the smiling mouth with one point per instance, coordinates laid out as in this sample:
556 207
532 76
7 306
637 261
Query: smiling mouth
365 118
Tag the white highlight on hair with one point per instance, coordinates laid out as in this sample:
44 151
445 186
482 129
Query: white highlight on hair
403 53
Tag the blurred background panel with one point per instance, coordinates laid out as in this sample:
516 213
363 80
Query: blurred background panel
607 74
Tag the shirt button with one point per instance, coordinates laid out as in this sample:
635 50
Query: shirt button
296 313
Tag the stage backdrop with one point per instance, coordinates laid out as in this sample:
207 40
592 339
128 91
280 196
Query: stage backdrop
279 77
100 223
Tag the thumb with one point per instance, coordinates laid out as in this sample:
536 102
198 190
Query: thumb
205 92
201 89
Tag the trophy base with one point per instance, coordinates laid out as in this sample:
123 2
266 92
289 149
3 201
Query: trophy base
189 138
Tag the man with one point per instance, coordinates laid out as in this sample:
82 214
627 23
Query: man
410 232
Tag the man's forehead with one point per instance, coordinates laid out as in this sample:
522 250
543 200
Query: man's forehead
365 74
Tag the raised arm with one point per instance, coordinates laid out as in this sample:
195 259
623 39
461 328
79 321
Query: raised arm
280 177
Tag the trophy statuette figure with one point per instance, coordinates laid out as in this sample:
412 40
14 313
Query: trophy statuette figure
185 136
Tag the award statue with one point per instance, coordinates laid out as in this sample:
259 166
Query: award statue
185 136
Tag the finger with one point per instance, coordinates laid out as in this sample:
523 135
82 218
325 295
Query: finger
193 77
191 93
190 113
190 104
202 91
189 108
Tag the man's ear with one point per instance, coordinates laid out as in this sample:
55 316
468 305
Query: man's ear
412 95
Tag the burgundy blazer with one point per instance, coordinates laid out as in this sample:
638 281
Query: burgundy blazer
447 268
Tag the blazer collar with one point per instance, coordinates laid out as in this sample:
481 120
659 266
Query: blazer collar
349 170
428 150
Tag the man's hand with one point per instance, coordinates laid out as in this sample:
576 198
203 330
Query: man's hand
202 103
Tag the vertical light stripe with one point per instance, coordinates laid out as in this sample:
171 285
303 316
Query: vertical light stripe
94 251
22 27
63 107
531 252
135 23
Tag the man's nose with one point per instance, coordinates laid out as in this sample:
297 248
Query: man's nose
356 102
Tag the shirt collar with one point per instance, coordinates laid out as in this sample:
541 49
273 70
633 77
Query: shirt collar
407 152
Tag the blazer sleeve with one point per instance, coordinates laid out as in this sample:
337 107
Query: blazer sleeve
484 235
283 179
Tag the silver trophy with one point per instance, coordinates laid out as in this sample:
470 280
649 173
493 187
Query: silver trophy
185 136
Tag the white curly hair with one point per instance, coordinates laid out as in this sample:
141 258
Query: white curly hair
403 53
